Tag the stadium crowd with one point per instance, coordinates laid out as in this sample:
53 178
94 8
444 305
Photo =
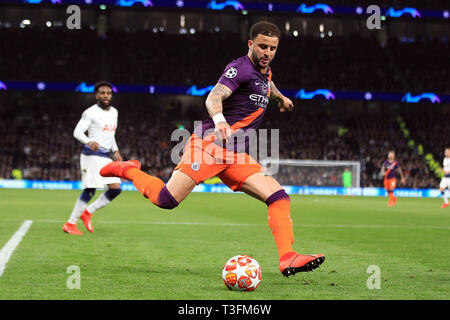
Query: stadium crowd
36 132
155 58
431 130
37 138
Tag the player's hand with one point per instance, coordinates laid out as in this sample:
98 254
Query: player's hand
94 145
403 181
223 131
285 105
118 156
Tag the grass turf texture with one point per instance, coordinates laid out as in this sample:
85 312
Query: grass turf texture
139 251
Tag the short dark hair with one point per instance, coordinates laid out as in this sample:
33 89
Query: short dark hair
265 28
102 84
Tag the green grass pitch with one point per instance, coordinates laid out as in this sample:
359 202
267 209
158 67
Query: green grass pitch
139 251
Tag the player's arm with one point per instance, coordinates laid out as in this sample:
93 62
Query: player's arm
214 106
284 104
383 170
115 150
402 177
80 129
118 156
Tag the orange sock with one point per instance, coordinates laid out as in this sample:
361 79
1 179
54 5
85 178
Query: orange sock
391 195
148 185
280 224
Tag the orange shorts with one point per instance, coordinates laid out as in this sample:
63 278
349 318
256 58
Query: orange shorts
203 159
390 184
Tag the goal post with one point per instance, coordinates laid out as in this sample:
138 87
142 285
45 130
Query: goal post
317 173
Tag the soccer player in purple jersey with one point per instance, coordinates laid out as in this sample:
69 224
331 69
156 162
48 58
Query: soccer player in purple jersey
218 147
389 170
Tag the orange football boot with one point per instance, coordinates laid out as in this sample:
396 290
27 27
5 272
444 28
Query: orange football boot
72 229
119 168
445 205
86 218
293 262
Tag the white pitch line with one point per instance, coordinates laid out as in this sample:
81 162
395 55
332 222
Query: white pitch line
355 226
11 245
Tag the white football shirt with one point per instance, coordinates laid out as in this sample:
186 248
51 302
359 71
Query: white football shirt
101 126
447 166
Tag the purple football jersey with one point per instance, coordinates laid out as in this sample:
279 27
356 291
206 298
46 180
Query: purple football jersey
245 107
391 169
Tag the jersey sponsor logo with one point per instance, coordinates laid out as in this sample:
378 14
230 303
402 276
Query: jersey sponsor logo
260 101
109 128
231 73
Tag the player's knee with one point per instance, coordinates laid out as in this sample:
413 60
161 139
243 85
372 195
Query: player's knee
279 195
164 199
112 193
87 194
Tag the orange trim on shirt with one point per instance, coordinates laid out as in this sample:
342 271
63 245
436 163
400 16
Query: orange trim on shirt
247 120
389 170
270 79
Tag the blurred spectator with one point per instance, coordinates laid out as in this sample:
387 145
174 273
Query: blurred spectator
38 139
351 63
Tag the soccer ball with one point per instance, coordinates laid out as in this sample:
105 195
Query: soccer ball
242 273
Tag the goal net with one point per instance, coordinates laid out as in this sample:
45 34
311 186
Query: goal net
314 173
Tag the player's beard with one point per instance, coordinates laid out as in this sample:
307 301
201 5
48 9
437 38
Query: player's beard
102 105
257 61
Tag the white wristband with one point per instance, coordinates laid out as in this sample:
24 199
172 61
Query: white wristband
218 117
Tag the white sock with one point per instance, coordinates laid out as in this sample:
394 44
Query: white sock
78 209
444 196
99 203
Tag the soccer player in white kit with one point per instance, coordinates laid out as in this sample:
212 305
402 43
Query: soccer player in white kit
445 181
100 121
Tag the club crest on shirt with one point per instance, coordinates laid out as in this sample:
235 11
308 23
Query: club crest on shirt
231 73
195 166
264 86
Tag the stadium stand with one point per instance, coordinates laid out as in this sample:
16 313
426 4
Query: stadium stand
157 58
38 139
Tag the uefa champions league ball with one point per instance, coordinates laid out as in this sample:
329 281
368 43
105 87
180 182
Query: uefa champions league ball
242 273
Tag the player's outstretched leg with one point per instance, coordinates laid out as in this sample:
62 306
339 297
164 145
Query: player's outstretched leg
280 224
119 168
151 187
267 189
